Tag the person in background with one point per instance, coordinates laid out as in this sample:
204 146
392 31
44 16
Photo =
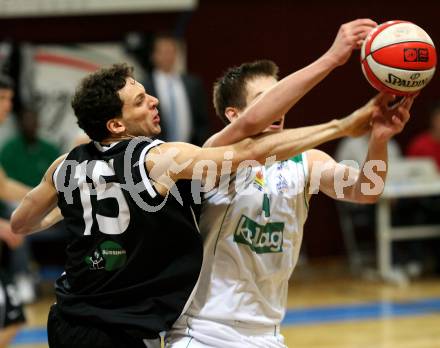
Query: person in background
426 210
427 144
25 158
183 103
353 149
11 311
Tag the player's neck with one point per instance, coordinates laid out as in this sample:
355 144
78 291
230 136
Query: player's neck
112 140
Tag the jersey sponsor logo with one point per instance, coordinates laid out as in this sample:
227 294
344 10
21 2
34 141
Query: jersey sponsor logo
259 181
282 185
109 256
262 239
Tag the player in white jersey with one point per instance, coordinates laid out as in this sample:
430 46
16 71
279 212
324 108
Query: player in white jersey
252 223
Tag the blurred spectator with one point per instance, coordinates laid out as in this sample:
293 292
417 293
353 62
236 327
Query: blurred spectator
427 144
183 108
10 305
426 210
354 149
26 157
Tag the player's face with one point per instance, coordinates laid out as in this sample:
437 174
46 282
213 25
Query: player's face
139 112
255 88
6 96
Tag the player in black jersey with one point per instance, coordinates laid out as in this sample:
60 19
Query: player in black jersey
11 311
135 255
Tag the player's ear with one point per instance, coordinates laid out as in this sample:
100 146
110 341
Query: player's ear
231 113
116 126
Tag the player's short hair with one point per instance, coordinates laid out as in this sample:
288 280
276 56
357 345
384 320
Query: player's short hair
96 100
230 89
6 82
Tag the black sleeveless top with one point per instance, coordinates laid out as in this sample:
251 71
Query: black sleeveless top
134 256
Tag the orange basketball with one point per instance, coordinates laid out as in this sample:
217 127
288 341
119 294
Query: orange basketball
398 57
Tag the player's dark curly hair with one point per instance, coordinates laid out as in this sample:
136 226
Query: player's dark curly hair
230 91
96 99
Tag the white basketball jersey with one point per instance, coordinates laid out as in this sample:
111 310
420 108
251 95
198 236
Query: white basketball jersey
252 233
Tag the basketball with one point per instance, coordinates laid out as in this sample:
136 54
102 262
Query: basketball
398 57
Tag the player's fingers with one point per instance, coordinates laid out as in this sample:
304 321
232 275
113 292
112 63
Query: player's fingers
361 31
404 114
397 123
409 100
364 22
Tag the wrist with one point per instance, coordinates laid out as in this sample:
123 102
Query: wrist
345 126
340 127
378 141
330 61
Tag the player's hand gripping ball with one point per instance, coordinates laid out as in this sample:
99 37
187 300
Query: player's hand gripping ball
398 57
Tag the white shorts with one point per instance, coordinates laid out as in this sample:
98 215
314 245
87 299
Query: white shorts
190 332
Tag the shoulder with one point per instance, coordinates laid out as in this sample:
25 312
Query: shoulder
49 176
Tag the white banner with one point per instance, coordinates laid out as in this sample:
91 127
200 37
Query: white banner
35 8
49 76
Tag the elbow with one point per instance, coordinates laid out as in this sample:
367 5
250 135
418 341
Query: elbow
370 199
250 125
248 150
367 198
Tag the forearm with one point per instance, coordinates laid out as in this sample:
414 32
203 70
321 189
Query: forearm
372 175
281 97
29 217
292 142
48 221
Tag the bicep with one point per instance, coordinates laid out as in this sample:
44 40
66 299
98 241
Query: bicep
45 194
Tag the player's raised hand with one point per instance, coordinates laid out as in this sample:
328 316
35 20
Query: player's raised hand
388 121
349 37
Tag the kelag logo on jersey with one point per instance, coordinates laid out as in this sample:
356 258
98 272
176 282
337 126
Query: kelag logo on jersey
260 238
110 256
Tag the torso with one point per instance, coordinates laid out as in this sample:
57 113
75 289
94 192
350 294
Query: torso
251 244
121 255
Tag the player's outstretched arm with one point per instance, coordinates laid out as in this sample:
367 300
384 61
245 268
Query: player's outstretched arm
170 162
276 101
366 184
37 211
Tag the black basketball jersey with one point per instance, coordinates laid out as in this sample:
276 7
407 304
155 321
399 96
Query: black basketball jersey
134 256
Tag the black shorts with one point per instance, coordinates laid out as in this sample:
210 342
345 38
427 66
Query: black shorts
66 332
11 309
